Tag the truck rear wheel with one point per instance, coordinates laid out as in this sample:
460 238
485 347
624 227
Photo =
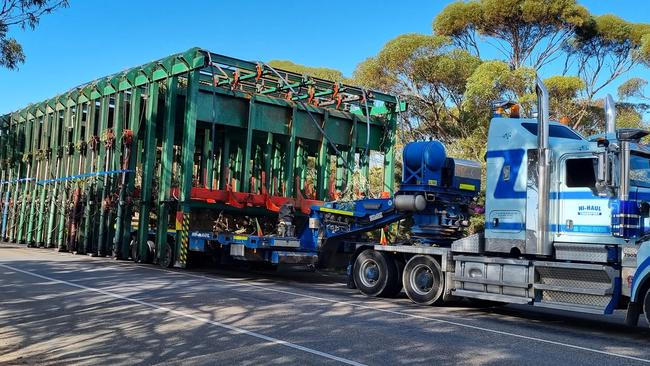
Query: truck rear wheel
423 280
376 274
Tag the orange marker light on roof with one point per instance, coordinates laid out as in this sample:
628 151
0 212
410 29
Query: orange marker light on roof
514 111
565 120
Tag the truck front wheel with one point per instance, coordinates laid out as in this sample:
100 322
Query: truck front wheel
376 274
646 305
423 280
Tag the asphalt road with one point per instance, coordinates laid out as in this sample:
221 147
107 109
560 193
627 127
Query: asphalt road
58 308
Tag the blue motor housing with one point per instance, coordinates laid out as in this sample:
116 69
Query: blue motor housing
449 186
423 163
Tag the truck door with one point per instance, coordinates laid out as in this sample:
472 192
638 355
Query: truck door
583 216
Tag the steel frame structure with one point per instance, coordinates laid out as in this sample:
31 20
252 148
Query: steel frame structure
120 159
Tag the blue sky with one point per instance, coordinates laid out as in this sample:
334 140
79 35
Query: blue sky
94 38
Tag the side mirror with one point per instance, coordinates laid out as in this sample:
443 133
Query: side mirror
602 172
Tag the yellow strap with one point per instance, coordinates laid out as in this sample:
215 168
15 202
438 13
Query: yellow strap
335 211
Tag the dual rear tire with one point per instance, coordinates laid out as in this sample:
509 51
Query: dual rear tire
423 280
378 274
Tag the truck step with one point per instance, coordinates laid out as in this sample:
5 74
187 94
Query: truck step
492 297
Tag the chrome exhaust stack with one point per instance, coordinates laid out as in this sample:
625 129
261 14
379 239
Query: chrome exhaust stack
544 245
610 114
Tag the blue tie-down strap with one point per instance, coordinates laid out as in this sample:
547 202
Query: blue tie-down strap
83 176
17 181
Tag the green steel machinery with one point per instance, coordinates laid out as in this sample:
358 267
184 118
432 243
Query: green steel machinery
126 164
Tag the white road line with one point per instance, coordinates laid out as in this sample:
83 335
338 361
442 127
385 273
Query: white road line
186 315
399 313
267 287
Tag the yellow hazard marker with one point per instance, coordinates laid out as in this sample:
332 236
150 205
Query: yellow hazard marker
185 239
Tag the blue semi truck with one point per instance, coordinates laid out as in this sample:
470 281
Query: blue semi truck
567 223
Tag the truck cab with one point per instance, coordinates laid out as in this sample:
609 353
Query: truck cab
567 222
584 250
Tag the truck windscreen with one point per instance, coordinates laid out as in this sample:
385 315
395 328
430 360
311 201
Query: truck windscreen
558 131
640 170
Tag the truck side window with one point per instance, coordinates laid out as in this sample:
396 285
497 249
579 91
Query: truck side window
580 173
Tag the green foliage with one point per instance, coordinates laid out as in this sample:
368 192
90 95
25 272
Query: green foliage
431 75
493 81
525 31
632 88
605 47
628 117
608 33
536 32
317 72
563 91
404 56
644 49
24 14
564 87
11 52
458 21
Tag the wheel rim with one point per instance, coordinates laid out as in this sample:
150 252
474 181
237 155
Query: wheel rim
369 273
423 280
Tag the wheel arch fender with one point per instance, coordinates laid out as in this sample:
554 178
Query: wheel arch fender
353 258
641 281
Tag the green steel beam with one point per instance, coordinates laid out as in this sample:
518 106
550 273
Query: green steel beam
268 159
102 186
115 221
246 171
389 154
323 164
225 172
120 249
53 197
27 159
46 156
75 168
64 172
166 165
289 177
90 191
35 187
148 166
187 148
352 153
134 126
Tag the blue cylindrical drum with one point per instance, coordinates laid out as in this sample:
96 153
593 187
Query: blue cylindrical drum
429 153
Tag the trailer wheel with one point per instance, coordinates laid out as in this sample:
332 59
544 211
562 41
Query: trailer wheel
167 256
133 245
376 274
423 280
149 253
